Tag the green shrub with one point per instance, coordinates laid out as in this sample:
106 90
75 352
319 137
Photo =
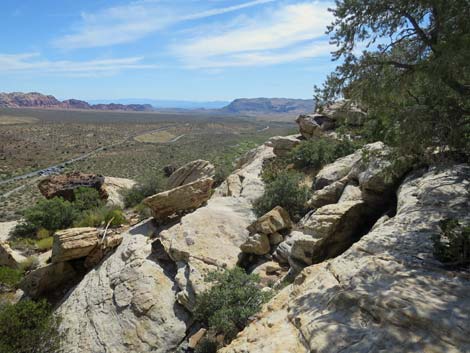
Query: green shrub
22 244
285 191
207 345
44 244
100 217
52 215
43 233
31 263
10 277
317 152
116 217
232 299
143 211
148 187
273 167
87 199
28 327
452 244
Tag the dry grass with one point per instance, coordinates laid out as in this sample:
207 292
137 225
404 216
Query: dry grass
156 137
12 120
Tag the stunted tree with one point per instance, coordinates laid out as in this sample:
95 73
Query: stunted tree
408 63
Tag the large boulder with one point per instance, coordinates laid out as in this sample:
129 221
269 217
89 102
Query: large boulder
328 195
282 145
114 188
337 170
64 185
335 227
311 125
74 243
206 240
179 200
273 221
190 172
257 244
387 293
127 304
47 278
345 112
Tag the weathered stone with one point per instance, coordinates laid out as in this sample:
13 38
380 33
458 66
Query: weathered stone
274 221
47 278
334 226
232 186
194 339
308 126
303 249
282 145
284 248
191 172
9 257
74 243
337 170
257 244
328 195
181 199
102 249
275 238
269 272
127 304
387 293
64 185
346 112
114 188
351 192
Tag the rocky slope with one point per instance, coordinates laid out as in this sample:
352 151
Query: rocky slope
259 106
38 100
364 275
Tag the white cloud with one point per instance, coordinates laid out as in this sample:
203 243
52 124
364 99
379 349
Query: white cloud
33 63
288 33
127 23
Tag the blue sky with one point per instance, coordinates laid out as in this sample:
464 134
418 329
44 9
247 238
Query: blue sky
164 49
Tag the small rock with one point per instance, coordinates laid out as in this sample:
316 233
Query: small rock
194 339
74 243
257 244
274 221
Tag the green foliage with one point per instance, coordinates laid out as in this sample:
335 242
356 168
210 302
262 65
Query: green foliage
87 198
274 166
31 263
44 244
151 186
452 244
315 153
232 299
100 217
415 83
52 215
10 277
285 191
28 327
207 345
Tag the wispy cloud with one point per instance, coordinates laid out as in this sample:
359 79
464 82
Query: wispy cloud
34 63
127 23
289 32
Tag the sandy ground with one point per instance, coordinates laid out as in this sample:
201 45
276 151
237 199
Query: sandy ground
5 228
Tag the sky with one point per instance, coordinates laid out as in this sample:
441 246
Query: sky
164 49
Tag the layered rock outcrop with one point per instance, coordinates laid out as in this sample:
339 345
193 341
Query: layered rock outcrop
65 185
386 293
190 172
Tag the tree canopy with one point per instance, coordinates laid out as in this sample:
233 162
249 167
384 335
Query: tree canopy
408 63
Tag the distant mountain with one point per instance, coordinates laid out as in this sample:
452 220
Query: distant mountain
165 104
38 100
269 106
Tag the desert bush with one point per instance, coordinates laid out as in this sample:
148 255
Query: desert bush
28 327
452 244
52 215
44 244
31 263
10 277
115 217
100 217
233 297
87 198
43 233
317 152
273 167
148 187
207 345
285 191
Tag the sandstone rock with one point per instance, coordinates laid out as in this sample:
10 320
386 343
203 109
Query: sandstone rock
194 339
9 257
269 272
337 170
191 172
282 145
274 221
114 188
312 125
283 250
257 244
334 226
232 186
303 249
380 221
387 293
345 111
65 184
351 192
275 238
74 243
206 240
102 249
127 304
328 195
181 199
47 278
